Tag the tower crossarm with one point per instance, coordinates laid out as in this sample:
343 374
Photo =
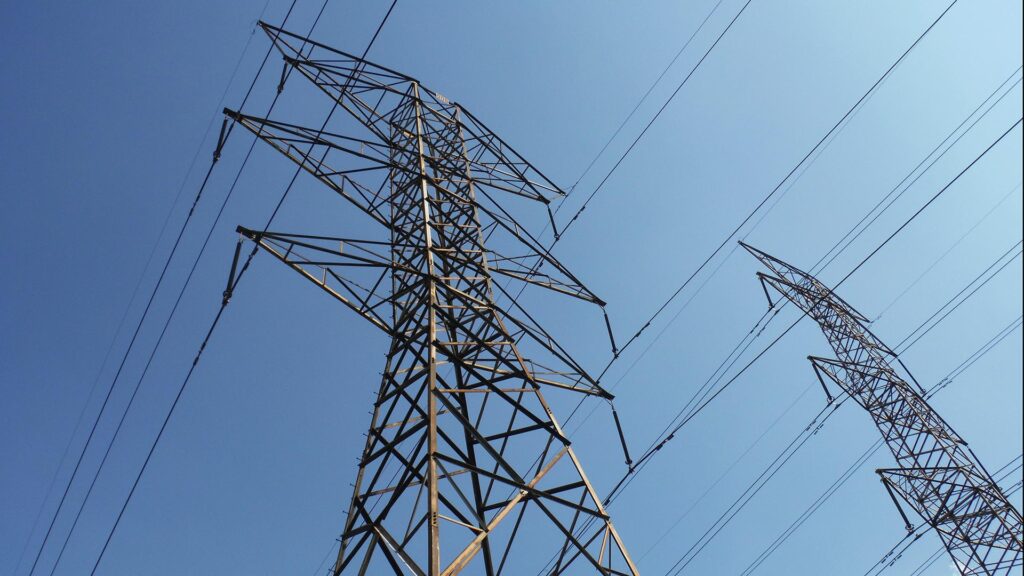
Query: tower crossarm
519 260
938 476
374 95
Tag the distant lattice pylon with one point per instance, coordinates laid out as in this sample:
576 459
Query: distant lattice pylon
937 476
465 468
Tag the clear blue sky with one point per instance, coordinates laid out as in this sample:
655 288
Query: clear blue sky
104 105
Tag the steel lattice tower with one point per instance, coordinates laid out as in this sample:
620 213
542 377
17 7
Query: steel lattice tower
465 468
937 476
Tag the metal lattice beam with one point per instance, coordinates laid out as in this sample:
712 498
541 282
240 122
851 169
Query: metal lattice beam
937 475
465 467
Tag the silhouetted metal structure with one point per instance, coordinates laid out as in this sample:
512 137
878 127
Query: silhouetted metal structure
465 468
938 476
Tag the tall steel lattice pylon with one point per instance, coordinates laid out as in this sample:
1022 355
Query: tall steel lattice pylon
938 476
465 468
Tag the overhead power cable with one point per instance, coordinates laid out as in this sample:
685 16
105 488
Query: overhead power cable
757 329
639 103
142 318
226 131
774 467
651 122
233 282
135 292
559 234
910 179
859 462
950 306
949 250
683 418
687 417
896 552
777 187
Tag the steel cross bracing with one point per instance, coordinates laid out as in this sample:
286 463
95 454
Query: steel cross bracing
937 476
465 468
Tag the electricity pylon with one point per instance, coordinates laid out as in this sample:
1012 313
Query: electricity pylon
938 476
465 468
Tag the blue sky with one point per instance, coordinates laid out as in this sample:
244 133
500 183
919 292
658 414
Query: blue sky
105 105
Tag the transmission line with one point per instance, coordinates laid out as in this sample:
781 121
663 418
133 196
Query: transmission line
138 285
918 335
233 282
895 553
755 487
664 438
806 161
639 104
225 134
859 462
226 131
651 122
889 199
655 447
946 253
775 190
708 397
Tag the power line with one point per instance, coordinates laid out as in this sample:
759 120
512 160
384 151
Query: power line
925 331
871 451
708 397
946 253
778 186
889 199
895 553
658 444
778 463
727 471
806 162
142 319
177 302
138 285
652 120
233 283
639 103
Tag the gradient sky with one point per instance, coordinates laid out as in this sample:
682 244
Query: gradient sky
103 108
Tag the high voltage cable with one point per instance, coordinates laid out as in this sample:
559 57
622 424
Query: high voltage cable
225 134
752 490
687 418
559 234
806 161
871 451
832 290
772 193
138 327
890 198
138 285
895 553
957 305
653 119
946 253
657 445
233 283
839 247
725 473
639 103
